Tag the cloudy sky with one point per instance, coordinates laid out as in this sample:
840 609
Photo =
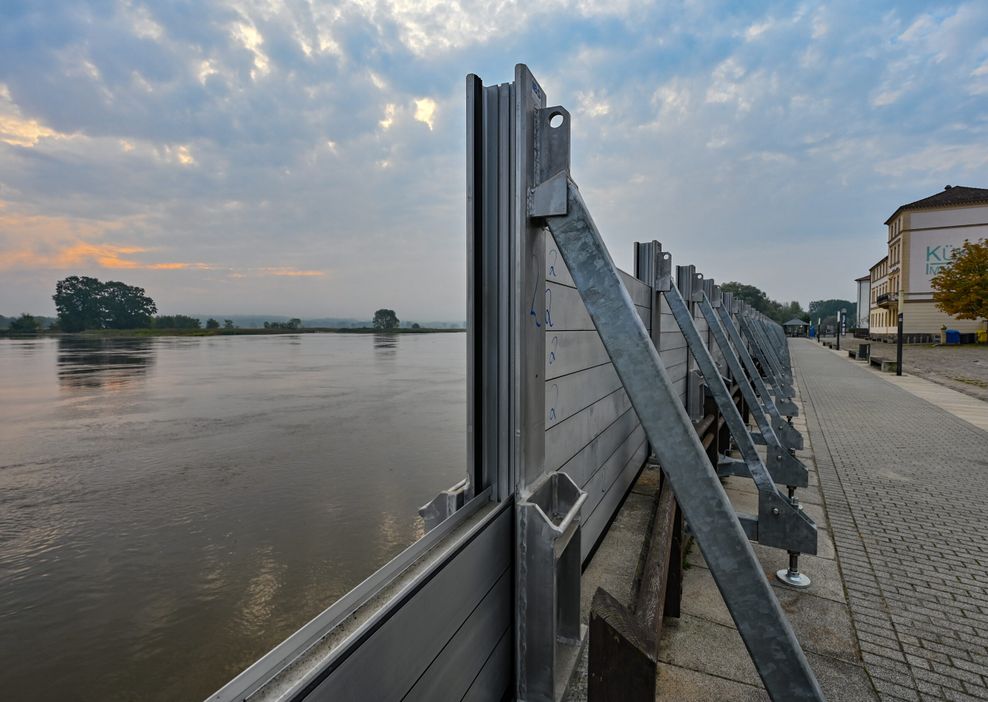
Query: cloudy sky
307 157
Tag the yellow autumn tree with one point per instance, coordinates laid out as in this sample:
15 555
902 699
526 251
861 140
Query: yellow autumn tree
961 289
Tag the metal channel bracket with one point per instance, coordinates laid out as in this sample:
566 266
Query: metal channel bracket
549 599
763 626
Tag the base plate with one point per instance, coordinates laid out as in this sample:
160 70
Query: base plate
796 580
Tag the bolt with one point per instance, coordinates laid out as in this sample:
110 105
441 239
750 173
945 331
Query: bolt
775 511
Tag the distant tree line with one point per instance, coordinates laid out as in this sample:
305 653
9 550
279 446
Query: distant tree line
293 323
782 312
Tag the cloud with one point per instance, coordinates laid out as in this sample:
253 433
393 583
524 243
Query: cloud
425 111
280 146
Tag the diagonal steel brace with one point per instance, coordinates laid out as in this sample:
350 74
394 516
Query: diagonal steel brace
780 523
787 434
783 466
764 628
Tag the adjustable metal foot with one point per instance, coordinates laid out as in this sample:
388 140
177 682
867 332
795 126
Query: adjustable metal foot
791 576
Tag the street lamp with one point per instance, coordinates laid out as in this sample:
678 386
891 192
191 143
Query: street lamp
898 346
840 325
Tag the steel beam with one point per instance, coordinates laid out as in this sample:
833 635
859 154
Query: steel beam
783 466
763 626
787 434
780 523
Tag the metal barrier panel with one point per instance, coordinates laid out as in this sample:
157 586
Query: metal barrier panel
464 652
592 432
486 605
672 350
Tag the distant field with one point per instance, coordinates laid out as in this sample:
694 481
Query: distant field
130 333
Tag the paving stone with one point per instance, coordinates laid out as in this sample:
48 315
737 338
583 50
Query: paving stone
903 483
685 685
821 625
705 646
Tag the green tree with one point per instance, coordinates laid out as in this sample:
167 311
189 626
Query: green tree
416 325
228 324
385 319
88 303
25 324
79 304
747 293
822 309
212 324
793 310
961 289
294 323
779 311
126 306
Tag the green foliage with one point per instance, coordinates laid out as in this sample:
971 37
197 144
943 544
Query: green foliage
961 289
291 324
385 319
88 303
416 325
228 324
212 324
77 300
25 324
176 321
781 312
827 309
747 293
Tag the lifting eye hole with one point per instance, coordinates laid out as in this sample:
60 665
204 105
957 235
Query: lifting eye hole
556 120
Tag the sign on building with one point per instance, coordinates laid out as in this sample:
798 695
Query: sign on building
933 249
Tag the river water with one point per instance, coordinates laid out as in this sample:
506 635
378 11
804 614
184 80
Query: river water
171 508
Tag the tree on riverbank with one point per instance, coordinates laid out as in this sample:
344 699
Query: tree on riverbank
961 289
25 324
89 303
385 319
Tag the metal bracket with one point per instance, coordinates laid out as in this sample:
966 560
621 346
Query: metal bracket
552 142
549 586
663 271
440 507
696 289
548 198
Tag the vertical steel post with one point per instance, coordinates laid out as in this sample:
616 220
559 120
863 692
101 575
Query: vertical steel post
898 346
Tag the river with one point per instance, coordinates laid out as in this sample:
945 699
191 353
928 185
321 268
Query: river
171 508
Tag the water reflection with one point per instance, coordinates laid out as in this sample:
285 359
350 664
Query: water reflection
154 542
385 345
99 363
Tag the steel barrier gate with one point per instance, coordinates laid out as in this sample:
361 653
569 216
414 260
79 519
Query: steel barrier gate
577 372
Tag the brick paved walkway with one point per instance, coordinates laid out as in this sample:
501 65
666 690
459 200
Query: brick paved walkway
906 489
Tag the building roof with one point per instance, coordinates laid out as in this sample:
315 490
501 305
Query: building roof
950 196
796 323
882 260
864 277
